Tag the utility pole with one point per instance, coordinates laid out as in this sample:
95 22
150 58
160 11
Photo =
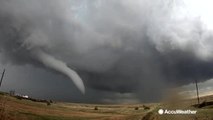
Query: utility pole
200 33
198 99
2 76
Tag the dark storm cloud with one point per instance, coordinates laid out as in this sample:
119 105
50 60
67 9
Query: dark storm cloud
137 47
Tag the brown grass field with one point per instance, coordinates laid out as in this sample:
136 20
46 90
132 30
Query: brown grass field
12 108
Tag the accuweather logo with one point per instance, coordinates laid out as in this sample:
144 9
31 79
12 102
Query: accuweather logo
175 112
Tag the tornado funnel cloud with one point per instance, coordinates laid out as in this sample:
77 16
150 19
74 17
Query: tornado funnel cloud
53 63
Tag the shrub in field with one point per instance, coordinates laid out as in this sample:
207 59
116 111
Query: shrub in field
136 108
96 108
48 103
146 107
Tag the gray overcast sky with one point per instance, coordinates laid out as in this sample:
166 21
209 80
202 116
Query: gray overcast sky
105 50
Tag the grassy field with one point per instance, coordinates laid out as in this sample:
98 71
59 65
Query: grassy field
12 108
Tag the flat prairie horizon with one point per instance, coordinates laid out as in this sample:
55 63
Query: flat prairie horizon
13 108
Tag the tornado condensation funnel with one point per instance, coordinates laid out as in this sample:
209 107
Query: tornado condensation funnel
53 63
